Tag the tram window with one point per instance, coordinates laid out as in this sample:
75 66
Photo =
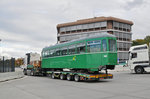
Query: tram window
43 54
94 46
51 53
104 44
81 48
48 53
72 49
57 52
64 51
78 50
112 45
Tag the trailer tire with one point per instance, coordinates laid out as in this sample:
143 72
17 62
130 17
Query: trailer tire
53 76
62 77
139 70
69 77
49 75
77 78
24 71
32 73
44 74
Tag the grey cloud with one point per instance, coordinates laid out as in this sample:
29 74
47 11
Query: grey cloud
31 25
134 3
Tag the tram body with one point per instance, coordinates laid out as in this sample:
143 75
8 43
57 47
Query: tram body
91 53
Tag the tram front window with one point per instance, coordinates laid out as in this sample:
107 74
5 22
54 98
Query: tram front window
112 45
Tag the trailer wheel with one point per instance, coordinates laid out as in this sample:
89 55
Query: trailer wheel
53 75
139 70
77 78
69 77
62 77
49 75
32 73
24 71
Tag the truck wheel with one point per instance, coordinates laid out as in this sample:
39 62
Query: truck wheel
62 76
69 77
139 70
25 72
53 75
77 78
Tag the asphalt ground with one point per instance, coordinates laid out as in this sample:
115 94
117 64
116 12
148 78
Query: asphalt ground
124 85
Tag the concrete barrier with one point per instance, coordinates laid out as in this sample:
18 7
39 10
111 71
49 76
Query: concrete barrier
11 75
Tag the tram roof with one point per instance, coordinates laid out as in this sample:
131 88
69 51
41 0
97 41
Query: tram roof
81 39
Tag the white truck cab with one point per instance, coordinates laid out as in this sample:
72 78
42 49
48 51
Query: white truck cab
139 58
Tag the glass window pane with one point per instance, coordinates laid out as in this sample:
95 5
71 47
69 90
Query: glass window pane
94 46
72 49
81 48
104 45
112 45
64 51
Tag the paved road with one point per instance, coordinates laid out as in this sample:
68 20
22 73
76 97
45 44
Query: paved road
123 86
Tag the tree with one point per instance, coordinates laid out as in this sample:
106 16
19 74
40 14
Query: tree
138 42
146 40
19 62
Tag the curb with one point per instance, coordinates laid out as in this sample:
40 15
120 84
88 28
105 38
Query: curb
11 79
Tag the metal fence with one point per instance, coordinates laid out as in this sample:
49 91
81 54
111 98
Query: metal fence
7 65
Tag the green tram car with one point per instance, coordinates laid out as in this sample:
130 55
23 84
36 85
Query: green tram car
90 54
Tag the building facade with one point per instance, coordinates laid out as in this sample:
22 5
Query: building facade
83 28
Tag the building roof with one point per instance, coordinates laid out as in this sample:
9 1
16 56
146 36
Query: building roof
95 19
80 39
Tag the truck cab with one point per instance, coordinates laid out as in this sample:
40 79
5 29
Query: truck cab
139 58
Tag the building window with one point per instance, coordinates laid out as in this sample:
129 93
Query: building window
104 24
97 24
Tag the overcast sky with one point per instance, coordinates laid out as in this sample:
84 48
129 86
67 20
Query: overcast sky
30 25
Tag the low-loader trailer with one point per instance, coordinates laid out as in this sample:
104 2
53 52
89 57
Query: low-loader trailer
81 59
